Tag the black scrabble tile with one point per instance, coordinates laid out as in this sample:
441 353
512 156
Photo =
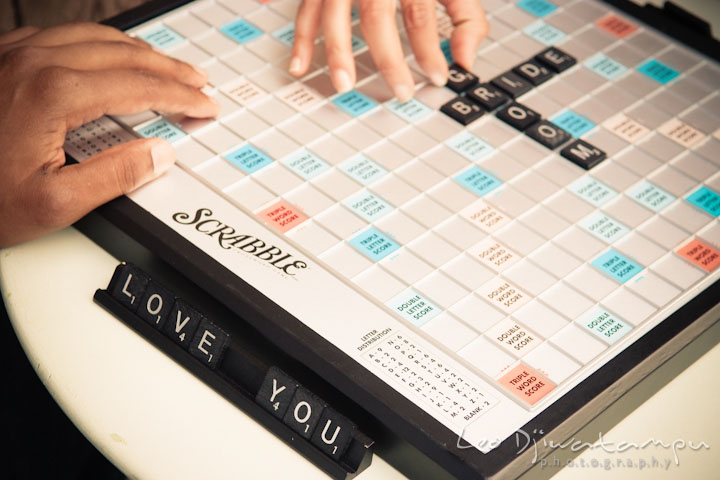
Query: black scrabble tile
583 154
462 110
534 72
155 304
209 343
333 433
127 285
518 116
182 322
512 83
487 96
460 79
557 60
276 392
304 412
548 134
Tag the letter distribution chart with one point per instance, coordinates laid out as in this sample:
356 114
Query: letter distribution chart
482 248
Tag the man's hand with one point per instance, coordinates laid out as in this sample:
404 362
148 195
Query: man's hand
54 80
377 19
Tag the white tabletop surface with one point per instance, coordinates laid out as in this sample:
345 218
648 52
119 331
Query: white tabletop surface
154 420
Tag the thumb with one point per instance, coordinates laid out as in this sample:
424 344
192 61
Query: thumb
111 173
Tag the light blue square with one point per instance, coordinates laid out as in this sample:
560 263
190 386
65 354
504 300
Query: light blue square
162 37
617 266
539 8
362 169
368 205
241 31
592 191
658 71
285 34
411 111
374 244
163 129
705 199
605 66
306 164
354 103
573 123
249 159
544 33
469 146
607 326
651 196
478 180
603 227
445 48
357 43
414 307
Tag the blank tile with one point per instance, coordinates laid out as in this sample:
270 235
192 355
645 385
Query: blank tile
579 242
663 232
449 331
629 306
639 248
550 362
451 195
564 298
520 238
218 138
468 272
638 161
340 221
544 221
686 216
379 283
400 227
671 180
426 211
433 249
408 267
486 357
336 184
555 260
627 211
653 288
394 189
578 344
250 194
310 200
346 260
530 277
443 290
278 179
459 232
595 285
677 271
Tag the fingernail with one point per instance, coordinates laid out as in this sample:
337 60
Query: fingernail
163 157
295 66
402 92
438 79
341 80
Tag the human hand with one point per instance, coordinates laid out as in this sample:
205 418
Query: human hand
377 20
54 80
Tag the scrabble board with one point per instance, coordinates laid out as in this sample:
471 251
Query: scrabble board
485 258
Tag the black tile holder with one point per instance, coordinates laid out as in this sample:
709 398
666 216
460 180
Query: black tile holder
240 390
